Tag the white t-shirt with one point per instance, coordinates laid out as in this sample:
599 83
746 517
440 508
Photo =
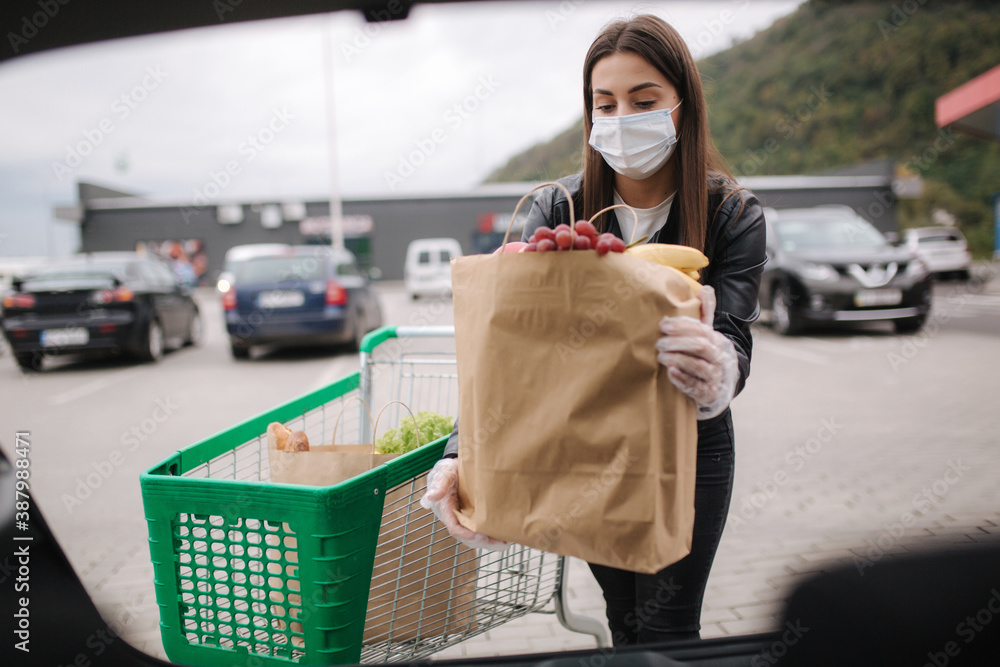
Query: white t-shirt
650 219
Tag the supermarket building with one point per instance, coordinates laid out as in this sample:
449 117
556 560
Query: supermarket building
378 230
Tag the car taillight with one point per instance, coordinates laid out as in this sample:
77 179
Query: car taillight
116 295
336 295
229 299
19 301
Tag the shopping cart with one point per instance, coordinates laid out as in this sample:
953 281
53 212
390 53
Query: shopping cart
250 571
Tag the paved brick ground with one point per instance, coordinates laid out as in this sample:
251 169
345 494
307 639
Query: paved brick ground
908 459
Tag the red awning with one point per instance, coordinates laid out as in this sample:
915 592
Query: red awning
973 107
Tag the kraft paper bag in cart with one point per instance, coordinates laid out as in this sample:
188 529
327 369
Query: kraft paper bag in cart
416 593
573 440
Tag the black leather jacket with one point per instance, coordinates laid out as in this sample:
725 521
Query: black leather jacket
734 246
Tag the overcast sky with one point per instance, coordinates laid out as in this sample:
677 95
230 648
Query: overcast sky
239 112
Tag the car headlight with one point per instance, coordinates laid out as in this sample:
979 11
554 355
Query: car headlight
818 272
916 269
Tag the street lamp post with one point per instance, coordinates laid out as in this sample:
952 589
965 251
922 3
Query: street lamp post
336 205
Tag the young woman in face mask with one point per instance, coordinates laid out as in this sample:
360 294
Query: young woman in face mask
648 146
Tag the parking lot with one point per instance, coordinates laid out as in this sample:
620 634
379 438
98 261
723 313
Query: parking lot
852 446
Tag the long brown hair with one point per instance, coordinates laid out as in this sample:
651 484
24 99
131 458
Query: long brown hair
696 159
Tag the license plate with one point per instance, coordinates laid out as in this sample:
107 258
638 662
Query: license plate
65 337
878 297
281 299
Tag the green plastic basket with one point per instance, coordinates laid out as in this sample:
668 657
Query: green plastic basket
251 572
231 552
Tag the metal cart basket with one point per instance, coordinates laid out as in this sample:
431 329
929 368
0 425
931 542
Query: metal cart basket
250 571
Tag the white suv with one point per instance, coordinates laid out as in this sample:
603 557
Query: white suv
943 249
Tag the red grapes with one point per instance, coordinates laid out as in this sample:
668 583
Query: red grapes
584 237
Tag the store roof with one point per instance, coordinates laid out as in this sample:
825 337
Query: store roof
973 107
792 182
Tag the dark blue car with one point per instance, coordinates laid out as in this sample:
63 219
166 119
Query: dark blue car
300 295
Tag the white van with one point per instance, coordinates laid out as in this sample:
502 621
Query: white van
428 266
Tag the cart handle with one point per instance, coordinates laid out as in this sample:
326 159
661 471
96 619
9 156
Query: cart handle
375 338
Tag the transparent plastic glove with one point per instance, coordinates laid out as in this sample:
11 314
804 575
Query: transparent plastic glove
442 499
700 361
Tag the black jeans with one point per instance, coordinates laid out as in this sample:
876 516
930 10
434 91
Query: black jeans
645 608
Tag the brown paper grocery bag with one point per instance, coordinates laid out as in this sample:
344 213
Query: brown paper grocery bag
423 581
573 440
324 465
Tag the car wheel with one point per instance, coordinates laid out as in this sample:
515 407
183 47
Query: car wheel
151 348
30 362
195 332
909 325
239 351
785 319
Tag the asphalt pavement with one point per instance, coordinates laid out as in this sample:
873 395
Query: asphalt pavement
851 447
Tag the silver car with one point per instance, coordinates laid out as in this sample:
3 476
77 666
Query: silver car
943 249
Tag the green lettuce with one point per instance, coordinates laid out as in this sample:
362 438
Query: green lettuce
404 439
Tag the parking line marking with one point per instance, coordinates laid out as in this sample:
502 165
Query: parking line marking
91 387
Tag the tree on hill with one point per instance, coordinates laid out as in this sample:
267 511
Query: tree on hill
837 83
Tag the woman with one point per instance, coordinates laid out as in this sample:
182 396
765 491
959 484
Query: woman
648 146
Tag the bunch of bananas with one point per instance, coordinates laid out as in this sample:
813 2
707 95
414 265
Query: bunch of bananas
685 260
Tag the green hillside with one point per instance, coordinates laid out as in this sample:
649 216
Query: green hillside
835 84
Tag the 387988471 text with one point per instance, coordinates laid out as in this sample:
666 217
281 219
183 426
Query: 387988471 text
22 553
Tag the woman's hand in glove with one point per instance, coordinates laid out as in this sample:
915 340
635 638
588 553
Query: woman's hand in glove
442 499
700 361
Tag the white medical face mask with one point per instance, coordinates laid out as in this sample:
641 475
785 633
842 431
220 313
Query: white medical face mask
637 145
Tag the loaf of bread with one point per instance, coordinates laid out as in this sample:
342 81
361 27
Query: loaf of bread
286 440
297 442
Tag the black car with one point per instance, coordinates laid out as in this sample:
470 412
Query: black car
299 295
828 265
120 302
